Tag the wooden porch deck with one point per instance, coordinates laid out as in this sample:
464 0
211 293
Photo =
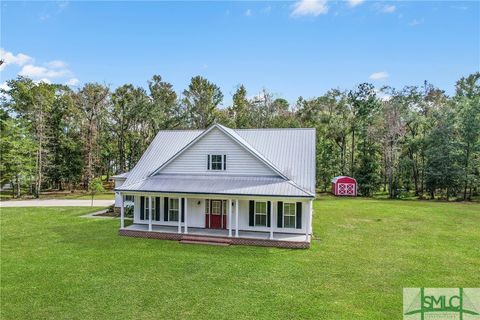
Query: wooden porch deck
281 240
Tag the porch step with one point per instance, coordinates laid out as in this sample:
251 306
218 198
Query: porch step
205 240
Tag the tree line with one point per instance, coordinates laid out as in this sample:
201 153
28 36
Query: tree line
416 140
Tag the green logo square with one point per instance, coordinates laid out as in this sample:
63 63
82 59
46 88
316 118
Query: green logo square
441 303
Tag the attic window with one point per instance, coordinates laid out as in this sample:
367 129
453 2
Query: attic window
217 162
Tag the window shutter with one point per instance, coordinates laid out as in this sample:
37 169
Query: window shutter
142 208
251 216
157 208
165 208
280 214
299 215
224 162
269 213
208 162
183 209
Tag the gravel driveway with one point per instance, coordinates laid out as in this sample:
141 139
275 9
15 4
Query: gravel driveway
56 203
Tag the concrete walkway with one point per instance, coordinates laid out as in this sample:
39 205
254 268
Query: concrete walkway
96 215
56 203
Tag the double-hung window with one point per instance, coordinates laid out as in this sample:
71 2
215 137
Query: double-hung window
289 215
260 213
173 209
217 162
147 208
152 212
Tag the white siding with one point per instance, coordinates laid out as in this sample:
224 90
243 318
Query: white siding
239 161
243 216
196 215
118 199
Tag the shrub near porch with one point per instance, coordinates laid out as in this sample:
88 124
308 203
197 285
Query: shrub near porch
55 264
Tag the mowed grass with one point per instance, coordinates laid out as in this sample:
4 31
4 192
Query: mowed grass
108 195
57 265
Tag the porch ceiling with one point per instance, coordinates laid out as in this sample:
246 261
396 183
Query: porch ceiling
225 185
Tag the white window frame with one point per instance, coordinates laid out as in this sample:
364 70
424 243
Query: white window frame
145 208
260 214
154 208
290 215
171 210
214 202
222 162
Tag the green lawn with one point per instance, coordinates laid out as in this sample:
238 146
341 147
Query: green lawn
57 265
108 195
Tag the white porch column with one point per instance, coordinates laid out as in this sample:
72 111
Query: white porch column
229 217
122 211
186 216
149 213
308 219
236 218
271 220
179 215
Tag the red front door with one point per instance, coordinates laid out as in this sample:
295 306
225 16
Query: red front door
215 218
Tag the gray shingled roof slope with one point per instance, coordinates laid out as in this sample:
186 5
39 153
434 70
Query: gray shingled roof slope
291 151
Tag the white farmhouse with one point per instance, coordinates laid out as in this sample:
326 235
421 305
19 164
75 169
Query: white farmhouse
223 186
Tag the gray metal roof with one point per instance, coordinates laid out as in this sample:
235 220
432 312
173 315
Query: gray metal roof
164 146
222 185
292 151
288 151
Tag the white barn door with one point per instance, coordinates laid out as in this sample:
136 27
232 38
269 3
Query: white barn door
346 189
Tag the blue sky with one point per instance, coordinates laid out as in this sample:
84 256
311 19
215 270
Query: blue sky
292 48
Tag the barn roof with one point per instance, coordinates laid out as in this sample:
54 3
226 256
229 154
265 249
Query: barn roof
341 177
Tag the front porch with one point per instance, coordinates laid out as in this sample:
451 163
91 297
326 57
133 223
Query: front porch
250 220
257 238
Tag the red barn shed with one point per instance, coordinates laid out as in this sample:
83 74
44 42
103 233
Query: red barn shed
344 186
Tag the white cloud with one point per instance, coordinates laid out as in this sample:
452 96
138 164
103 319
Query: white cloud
4 86
382 75
62 5
310 7
44 80
53 10
382 95
389 8
9 58
72 82
354 3
248 13
36 72
56 64
52 71
415 22
44 17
